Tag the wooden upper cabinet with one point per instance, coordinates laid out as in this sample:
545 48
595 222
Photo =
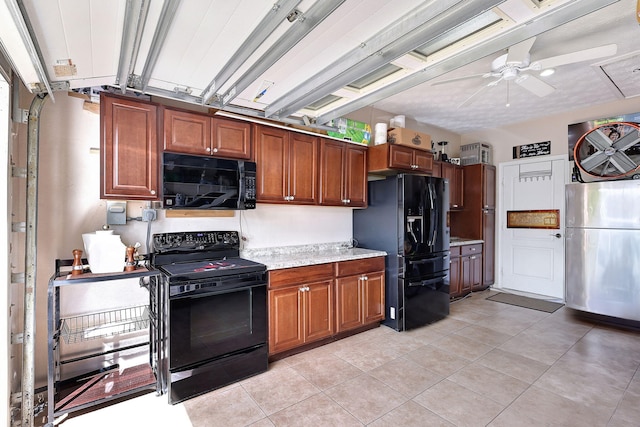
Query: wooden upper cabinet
389 158
287 164
129 149
343 174
230 138
192 133
489 187
303 168
187 133
272 163
454 174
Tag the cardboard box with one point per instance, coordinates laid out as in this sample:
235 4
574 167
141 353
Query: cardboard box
410 138
351 130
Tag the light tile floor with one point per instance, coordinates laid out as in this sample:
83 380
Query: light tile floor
487 364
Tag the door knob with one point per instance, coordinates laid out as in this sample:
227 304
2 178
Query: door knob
557 235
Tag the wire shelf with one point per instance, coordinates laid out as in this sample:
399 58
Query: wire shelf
104 324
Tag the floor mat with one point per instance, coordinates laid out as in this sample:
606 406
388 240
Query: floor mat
526 302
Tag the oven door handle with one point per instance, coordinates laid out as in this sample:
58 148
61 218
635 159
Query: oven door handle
210 290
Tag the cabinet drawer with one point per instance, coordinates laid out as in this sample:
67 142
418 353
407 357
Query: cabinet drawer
297 275
455 251
471 249
358 266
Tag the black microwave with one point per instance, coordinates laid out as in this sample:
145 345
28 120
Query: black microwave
203 182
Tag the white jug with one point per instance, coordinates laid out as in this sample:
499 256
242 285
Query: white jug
105 251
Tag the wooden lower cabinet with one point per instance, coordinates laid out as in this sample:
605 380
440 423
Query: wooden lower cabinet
465 271
300 306
308 304
359 293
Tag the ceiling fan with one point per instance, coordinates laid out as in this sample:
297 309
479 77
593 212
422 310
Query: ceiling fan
513 66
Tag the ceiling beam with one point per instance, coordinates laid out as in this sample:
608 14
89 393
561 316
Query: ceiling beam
560 16
268 25
135 16
413 30
169 8
299 29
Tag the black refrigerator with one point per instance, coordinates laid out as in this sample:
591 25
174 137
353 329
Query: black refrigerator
407 218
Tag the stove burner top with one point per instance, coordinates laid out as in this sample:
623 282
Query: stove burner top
210 268
215 265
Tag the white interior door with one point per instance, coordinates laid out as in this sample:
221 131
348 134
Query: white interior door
532 259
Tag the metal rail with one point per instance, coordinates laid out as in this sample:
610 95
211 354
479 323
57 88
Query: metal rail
28 346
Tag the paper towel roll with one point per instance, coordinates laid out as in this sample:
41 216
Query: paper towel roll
380 133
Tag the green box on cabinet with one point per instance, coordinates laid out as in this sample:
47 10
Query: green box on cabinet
351 130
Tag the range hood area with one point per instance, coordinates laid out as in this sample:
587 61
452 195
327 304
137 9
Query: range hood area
302 62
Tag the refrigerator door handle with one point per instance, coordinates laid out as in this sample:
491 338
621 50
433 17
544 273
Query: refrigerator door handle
432 216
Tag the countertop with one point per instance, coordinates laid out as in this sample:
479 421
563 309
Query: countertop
459 241
299 256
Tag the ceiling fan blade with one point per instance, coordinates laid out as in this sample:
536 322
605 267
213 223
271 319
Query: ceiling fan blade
534 85
457 79
519 52
578 56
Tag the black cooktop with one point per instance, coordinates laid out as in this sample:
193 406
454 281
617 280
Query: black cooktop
210 268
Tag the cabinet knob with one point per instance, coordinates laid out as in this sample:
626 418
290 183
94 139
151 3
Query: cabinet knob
348 200
153 192
208 149
215 150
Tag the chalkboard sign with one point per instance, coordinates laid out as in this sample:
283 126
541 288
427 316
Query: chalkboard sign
532 150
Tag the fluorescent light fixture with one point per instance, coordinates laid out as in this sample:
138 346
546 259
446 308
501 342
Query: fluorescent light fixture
547 72
16 42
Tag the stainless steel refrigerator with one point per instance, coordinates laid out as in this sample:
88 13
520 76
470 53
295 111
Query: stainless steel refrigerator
602 272
407 218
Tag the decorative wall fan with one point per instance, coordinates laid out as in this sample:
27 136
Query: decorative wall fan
513 67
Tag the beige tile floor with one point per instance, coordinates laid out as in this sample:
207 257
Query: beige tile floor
487 364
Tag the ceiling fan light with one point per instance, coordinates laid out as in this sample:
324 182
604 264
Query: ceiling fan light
547 72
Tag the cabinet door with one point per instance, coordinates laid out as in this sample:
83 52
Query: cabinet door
459 188
488 249
476 272
230 138
318 312
303 168
349 303
286 328
454 277
187 133
373 289
129 149
356 176
400 157
489 187
423 160
436 171
272 163
465 273
332 165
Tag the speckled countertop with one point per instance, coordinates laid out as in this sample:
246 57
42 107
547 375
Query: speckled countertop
459 241
298 256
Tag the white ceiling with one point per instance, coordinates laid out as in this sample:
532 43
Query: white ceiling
186 50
